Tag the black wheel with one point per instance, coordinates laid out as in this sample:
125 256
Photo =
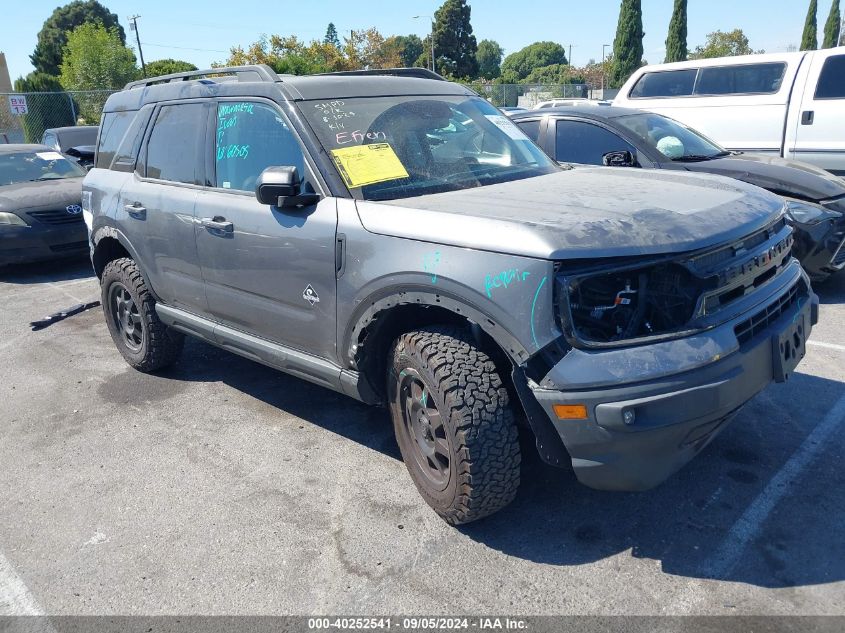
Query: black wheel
453 423
143 340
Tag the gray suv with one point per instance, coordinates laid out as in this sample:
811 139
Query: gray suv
394 237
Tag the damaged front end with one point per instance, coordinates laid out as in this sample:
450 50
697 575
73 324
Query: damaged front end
614 304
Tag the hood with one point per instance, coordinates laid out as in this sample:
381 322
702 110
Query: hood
46 194
591 212
785 177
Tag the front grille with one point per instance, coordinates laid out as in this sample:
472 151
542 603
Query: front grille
71 246
711 261
57 216
751 327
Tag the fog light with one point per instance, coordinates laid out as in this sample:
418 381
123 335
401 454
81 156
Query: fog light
571 411
628 417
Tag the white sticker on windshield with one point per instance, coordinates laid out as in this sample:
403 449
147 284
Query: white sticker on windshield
507 126
49 155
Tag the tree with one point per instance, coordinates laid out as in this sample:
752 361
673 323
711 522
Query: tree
52 37
628 44
517 66
489 58
331 37
454 44
404 49
52 109
554 74
722 44
831 26
809 38
676 40
168 66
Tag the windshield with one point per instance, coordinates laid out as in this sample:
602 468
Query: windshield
672 139
398 147
32 166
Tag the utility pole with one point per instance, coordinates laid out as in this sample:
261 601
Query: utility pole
134 27
603 46
432 38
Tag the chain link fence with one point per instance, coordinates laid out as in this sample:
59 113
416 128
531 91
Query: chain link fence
25 116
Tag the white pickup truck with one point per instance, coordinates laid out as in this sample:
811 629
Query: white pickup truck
790 104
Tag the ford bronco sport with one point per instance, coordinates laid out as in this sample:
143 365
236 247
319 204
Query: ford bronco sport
392 236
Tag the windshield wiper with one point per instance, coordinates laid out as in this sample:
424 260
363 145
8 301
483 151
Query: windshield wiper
694 158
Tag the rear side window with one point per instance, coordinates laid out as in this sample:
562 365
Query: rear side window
832 79
112 129
531 129
250 138
173 151
669 83
743 79
585 143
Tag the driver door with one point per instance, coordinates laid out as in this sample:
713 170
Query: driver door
259 261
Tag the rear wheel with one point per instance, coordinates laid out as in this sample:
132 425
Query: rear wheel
453 423
143 340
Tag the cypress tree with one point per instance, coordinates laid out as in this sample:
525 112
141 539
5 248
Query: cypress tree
809 39
628 44
676 40
831 27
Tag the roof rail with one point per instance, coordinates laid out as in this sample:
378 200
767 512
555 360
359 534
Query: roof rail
257 72
420 73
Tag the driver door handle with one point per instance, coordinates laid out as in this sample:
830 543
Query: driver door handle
136 211
218 224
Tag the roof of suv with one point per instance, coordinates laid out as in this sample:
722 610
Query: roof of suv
261 80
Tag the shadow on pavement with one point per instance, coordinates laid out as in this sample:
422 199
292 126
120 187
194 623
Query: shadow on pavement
557 521
831 290
50 271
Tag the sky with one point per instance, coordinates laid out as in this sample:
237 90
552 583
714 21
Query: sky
203 32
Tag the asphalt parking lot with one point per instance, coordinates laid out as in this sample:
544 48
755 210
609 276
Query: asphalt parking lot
224 487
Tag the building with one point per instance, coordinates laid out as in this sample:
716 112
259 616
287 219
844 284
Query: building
5 80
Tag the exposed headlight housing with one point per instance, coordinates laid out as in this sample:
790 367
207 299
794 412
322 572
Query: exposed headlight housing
808 212
10 219
625 305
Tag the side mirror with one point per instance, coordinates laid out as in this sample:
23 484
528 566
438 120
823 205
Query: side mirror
622 158
280 187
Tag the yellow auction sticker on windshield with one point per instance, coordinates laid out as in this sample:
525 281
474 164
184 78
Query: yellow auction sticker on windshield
361 165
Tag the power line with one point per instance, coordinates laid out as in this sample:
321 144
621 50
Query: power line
185 48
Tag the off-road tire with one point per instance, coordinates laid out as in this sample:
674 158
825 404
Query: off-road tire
473 414
158 345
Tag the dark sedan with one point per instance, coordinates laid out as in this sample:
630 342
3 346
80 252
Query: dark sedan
632 138
40 205
77 141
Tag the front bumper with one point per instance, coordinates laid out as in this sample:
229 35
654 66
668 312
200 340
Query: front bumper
681 393
23 244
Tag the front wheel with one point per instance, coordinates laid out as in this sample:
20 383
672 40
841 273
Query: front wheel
143 340
453 423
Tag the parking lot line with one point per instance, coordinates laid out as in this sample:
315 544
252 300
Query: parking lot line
746 528
15 598
838 348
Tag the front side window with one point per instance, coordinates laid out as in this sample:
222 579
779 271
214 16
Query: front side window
742 79
531 129
586 143
669 83
112 129
397 147
673 140
251 137
173 151
35 166
832 79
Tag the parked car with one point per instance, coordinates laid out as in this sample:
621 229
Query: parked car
785 104
77 141
397 239
509 110
558 103
40 212
624 137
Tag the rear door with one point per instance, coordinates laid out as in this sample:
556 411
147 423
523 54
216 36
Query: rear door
268 271
157 205
819 122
